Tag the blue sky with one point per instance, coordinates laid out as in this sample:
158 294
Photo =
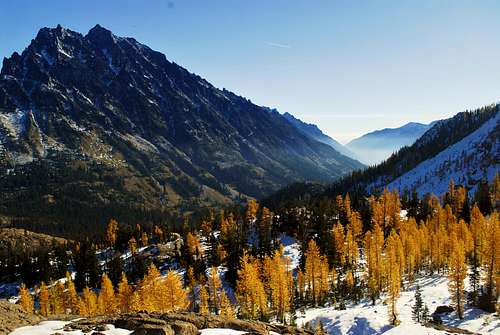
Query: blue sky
348 66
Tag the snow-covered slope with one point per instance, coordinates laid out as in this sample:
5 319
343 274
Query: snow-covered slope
363 318
475 157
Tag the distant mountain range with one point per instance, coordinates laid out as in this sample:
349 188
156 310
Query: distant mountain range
100 120
376 146
464 148
314 132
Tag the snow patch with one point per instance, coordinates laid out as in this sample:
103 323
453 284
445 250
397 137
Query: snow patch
51 327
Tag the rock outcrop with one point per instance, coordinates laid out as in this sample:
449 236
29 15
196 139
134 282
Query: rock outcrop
180 324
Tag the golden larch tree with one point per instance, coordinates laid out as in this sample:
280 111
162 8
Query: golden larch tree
124 294
25 299
70 296
457 271
250 290
106 300
112 232
43 299
87 305
203 307
392 268
214 286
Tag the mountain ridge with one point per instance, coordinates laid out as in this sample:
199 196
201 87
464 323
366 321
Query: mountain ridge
102 119
315 132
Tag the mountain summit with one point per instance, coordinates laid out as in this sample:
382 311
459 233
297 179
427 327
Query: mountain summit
102 119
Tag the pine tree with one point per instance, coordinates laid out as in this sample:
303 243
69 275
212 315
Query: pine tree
457 271
25 299
106 299
124 295
43 300
425 314
477 225
417 309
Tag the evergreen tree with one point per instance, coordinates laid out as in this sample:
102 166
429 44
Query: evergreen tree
418 307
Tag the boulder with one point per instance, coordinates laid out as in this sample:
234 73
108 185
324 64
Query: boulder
152 329
443 309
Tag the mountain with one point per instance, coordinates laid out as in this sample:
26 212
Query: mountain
314 132
96 121
474 158
374 147
465 148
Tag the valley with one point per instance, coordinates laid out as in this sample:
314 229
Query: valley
136 197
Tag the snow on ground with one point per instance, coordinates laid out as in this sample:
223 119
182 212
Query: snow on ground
464 161
221 331
291 249
51 327
364 318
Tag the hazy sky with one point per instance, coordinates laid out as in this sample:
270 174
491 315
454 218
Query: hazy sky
349 66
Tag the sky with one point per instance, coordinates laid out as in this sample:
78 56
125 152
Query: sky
348 66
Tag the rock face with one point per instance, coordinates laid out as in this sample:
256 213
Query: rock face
12 316
180 324
105 120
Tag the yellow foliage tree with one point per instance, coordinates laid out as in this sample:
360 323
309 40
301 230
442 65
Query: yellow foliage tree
457 271
214 286
250 290
88 303
25 299
112 232
124 295
70 296
392 267
203 307
106 299
279 283
43 300
173 296
316 266
226 308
